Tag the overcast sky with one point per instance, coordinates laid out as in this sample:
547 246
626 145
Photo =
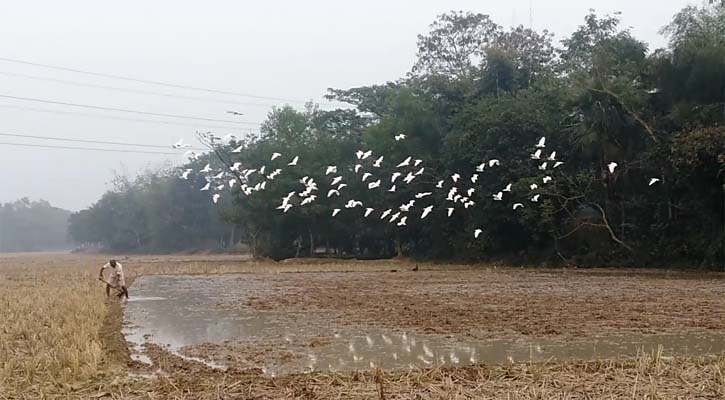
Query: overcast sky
285 49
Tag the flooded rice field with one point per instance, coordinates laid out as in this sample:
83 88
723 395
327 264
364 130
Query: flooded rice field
304 322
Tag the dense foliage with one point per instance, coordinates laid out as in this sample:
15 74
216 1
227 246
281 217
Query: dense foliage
33 226
477 92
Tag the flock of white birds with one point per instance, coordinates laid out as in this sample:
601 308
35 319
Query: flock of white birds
459 191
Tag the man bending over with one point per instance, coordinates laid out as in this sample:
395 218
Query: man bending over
116 279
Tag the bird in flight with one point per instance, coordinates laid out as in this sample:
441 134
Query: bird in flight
498 196
185 174
653 181
477 233
405 163
294 161
517 205
612 166
275 155
181 145
399 137
542 143
234 113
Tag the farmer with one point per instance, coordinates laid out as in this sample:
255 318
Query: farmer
116 281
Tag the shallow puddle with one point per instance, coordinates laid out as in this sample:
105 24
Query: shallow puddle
176 312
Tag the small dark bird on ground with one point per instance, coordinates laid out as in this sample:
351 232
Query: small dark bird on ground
416 267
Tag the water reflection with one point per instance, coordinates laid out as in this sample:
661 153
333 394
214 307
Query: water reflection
178 311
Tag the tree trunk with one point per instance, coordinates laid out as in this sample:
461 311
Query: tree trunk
312 243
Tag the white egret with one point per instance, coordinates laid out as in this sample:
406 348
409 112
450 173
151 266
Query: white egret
366 176
477 233
470 192
220 187
558 164
653 181
386 213
394 216
612 166
546 179
392 189
331 169
342 185
426 211
533 186
374 185
336 180
543 166
498 196
552 156
439 185
333 191
395 176
399 137
206 169
455 177
206 187
405 163
185 174
402 221
420 172
232 182
535 199
417 162
238 149
517 205
493 162
294 161
536 155
474 178
450 211
335 211
368 211
542 143
275 155
378 163
357 168
181 145
367 154
422 194
215 198
507 188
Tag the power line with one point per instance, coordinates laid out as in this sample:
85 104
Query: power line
126 110
151 82
48 146
152 121
145 92
94 141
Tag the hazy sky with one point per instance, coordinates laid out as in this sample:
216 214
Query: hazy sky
285 49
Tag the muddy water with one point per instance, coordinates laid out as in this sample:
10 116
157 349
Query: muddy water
178 312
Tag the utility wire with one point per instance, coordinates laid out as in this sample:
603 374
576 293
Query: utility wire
152 121
125 110
151 82
144 92
95 141
48 146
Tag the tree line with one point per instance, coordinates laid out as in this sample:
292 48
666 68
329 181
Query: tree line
478 91
27 225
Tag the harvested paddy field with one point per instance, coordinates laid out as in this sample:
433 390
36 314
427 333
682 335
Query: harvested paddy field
214 327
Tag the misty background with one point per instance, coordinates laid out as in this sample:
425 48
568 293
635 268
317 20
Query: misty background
290 51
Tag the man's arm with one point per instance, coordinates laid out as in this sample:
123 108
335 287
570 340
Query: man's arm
100 273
